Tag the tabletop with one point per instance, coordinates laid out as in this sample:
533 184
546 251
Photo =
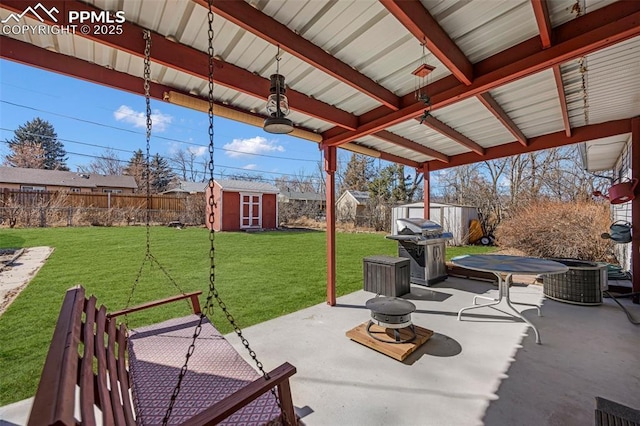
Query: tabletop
500 263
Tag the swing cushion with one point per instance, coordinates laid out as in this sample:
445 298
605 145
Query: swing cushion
215 371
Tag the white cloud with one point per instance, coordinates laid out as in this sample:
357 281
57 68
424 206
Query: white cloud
257 145
138 119
250 167
198 151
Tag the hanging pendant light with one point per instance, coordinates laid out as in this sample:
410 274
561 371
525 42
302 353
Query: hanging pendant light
277 104
422 82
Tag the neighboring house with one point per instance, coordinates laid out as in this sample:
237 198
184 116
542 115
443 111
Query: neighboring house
305 201
351 206
244 205
303 197
16 178
184 187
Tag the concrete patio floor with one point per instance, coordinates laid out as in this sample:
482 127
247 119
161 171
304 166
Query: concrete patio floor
485 369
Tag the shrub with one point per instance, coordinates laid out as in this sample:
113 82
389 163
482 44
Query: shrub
559 230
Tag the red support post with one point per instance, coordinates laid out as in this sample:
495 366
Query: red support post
330 162
635 208
427 189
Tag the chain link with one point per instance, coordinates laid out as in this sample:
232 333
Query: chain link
213 291
148 257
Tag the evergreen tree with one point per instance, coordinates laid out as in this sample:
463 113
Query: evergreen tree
161 174
358 173
33 134
136 168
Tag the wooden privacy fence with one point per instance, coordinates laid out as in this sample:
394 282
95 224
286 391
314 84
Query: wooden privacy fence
11 197
60 208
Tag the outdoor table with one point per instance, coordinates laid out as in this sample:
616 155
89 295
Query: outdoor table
503 267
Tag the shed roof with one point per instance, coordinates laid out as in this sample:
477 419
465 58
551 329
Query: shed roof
246 185
23 176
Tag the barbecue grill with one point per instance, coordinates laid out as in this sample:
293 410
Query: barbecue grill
423 243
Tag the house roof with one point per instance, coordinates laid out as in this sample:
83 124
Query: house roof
246 185
510 76
302 196
360 197
187 187
18 175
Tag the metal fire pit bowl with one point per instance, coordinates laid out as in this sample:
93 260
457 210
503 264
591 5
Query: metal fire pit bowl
393 313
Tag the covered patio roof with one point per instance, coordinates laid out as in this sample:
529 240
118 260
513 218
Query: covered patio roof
510 77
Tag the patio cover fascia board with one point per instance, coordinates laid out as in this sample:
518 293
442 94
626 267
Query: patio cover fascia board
586 34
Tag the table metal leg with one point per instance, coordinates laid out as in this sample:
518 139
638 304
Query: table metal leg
503 290
495 301
507 283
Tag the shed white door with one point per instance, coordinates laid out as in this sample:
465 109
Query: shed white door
250 210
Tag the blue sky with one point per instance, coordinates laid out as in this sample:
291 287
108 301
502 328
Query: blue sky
88 117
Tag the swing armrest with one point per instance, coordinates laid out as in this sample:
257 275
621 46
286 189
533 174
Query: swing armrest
195 304
221 410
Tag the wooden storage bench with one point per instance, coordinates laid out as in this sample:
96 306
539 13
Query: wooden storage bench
387 275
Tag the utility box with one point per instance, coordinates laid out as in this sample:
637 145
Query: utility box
387 275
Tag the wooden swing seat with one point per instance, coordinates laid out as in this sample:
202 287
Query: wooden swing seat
86 378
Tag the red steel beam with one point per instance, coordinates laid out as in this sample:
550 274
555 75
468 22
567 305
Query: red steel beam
589 33
413 15
557 75
451 133
28 54
490 103
194 62
409 144
399 160
426 192
541 11
330 167
251 19
552 140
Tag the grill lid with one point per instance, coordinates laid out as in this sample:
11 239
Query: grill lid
417 226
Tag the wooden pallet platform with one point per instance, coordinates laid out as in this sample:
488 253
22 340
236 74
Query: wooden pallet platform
397 351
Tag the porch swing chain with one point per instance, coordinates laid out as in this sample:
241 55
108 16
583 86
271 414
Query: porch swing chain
148 256
213 291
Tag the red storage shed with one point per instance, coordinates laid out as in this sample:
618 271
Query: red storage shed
243 205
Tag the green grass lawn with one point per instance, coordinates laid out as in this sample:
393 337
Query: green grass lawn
259 276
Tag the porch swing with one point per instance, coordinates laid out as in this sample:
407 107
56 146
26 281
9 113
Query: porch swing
181 371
